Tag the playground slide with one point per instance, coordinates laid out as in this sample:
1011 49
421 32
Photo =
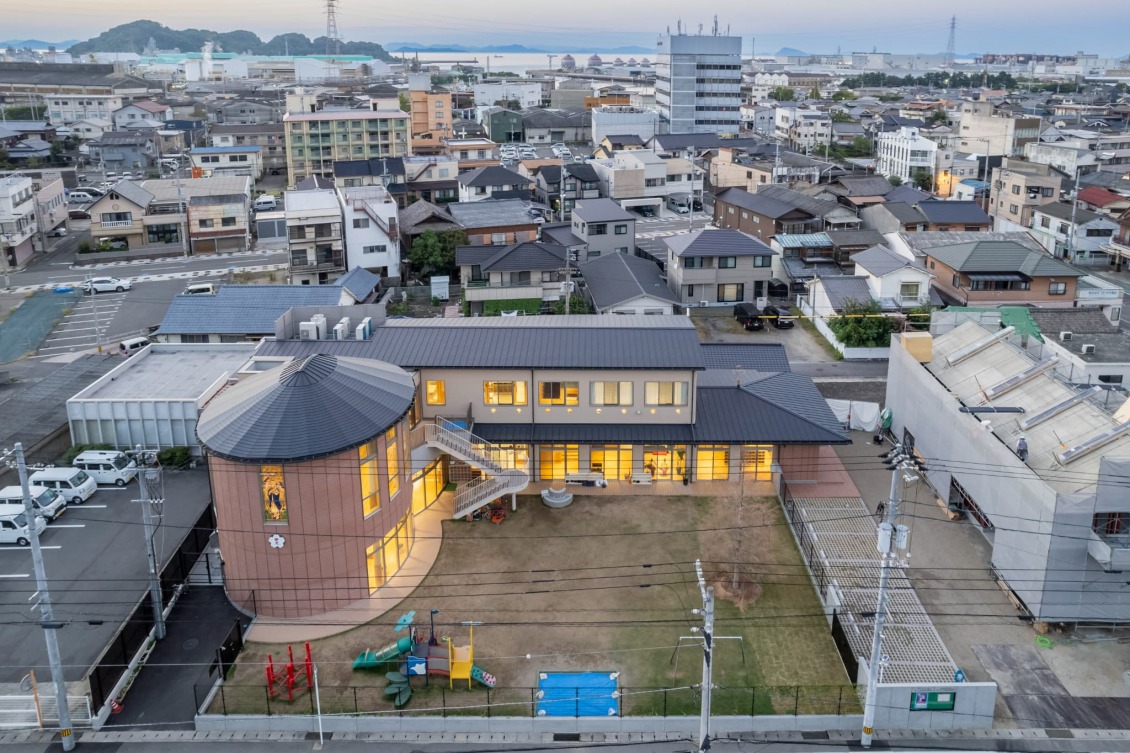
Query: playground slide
370 659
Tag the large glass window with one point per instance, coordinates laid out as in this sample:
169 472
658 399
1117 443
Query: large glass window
508 455
392 460
614 461
370 478
557 460
435 393
664 462
387 556
504 393
757 462
731 293
713 462
427 485
558 393
162 234
611 393
665 393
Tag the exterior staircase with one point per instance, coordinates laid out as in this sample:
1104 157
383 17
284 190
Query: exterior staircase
496 481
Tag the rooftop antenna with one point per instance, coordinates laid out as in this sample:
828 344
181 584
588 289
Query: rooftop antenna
951 47
715 28
700 30
333 44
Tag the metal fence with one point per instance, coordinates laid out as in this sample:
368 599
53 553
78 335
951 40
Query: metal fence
439 700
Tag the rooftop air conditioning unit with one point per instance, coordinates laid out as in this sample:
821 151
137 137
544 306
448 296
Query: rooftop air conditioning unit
346 325
1088 349
703 304
308 331
1064 336
365 328
341 331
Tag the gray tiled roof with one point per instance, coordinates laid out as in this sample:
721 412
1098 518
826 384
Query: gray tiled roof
770 409
906 194
760 357
920 243
491 213
309 408
241 309
860 237
601 210
517 257
903 212
763 205
560 233
873 185
421 211
965 212
624 139
615 278
1063 212
493 175
1001 256
880 260
358 282
131 191
567 342
724 242
846 288
810 204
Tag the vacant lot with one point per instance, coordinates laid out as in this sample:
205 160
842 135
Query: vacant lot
606 584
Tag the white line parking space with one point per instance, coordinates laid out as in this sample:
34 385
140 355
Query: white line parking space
15 575
85 326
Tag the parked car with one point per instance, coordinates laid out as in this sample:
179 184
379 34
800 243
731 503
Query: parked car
749 316
83 179
645 210
78 214
778 289
59 232
106 285
780 316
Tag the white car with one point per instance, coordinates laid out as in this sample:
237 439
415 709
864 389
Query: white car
106 285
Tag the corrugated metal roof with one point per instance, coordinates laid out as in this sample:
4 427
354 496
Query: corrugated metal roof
942 212
773 409
490 213
241 309
310 408
806 240
766 357
567 342
846 288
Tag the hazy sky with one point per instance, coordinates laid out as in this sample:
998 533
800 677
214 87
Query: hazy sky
812 25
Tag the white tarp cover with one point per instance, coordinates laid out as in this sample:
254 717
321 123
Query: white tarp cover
856 414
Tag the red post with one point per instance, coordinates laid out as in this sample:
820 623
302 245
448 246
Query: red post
270 675
290 675
309 667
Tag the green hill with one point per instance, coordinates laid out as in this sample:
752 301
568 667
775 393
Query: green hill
136 35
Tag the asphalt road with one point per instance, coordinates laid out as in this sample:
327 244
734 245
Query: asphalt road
651 231
96 568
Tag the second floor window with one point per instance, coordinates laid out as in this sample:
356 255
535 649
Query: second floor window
361 222
665 393
207 224
621 230
435 393
558 393
108 217
727 262
611 393
598 229
504 393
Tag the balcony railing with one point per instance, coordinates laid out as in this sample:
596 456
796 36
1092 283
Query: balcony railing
116 223
524 284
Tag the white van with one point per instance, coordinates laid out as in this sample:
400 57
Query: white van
201 288
80 197
45 501
265 202
128 347
13 529
71 483
106 466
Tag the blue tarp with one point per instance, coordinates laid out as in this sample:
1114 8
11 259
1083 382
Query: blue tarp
577 694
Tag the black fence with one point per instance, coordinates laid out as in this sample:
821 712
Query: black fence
135 630
437 699
851 664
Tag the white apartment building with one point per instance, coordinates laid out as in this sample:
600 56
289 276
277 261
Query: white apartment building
981 129
314 236
698 83
802 128
17 220
906 153
372 237
524 93
67 108
228 160
623 120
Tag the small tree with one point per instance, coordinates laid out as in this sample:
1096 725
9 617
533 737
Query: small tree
577 305
923 180
433 253
839 116
863 325
815 92
782 94
844 94
405 103
894 180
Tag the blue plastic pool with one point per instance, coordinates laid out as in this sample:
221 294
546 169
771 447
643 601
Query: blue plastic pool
577 694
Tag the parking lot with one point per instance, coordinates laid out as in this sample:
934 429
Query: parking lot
96 569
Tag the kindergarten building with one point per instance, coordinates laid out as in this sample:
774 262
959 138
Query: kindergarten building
325 450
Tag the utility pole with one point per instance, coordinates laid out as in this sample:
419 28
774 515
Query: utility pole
149 480
707 658
892 539
46 614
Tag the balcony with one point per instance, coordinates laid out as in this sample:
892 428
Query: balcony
1111 552
482 290
116 224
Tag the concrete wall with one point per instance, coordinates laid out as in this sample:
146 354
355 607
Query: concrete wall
973 706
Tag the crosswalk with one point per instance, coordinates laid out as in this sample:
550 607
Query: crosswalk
84 327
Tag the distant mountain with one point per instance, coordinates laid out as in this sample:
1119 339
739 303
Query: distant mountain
36 44
790 51
513 49
136 35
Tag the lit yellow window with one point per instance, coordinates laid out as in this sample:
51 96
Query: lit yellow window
558 393
370 478
504 393
392 457
435 393
713 463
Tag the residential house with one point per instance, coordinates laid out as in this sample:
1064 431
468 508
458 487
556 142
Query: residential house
620 142
762 216
845 134
316 240
1118 248
907 155
859 191
623 126
544 414
493 183
1090 348
499 222
269 137
527 274
246 111
129 115
1053 515
627 284
1104 201
18 223
893 279
603 227
90 129
70 108
372 232
211 161
247 313
892 217
315 140
752 167
556 126
38 129
718 267
503 126
964 216
471 152
1073 233
124 150
431 178
644 178
575 181
805 130
1017 189
421 216
26 150
994 273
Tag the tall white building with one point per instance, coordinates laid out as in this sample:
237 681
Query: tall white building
372 236
906 153
698 83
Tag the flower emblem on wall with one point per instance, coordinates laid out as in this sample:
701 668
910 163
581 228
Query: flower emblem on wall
276 541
